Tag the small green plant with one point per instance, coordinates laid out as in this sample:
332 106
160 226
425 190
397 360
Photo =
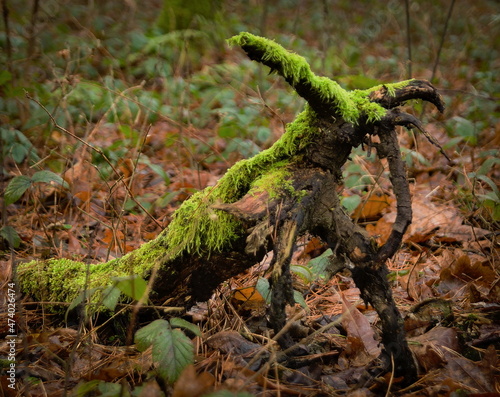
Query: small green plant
16 145
133 287
9 234
264 288
16 189
21 183
478 194
172 350
319 265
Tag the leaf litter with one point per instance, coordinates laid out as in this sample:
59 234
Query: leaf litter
445 280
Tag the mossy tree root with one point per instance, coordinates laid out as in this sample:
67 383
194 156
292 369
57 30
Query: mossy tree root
267 201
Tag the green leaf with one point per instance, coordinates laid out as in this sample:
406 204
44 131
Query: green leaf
87 387
5 76
172 349
158 169
263 134
164 200
16 188
490 183
108 389
453 142
18 152
464 128
47 177
298 298
10 235
177 322
350 203
133 286
319 264
487 165
111 295
302 271
145 336
264 289
173 352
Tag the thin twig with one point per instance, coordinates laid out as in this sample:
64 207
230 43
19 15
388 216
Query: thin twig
32 29
408 37
441 43
443 35
97 150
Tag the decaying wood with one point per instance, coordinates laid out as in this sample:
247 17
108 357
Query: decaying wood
273 222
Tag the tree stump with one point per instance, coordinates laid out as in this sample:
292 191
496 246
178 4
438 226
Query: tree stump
266 202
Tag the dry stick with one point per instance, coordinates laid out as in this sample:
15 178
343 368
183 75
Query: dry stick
441 42
388 393
436 63
97 150
408 37
31 29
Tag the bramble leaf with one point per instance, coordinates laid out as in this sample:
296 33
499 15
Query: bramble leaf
172 349
16 188
10 235
132 286
47 177
177 322
173 352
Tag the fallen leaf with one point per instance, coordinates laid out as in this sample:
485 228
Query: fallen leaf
358 326
373 207
191 384
430 348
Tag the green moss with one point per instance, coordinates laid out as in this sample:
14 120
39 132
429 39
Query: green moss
61 280
350 104
198 228
275 181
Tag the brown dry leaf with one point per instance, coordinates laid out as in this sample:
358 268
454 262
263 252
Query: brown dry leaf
4 384
74 245
358 326
474 377
80 176
247 298
151 389
464 269
313 248
373 207
240 378
430 220
190 384
462 275
382 229
430 348
190 180
5 272
355 353
231 342
113 238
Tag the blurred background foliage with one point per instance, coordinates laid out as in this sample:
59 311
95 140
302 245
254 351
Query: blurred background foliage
116 72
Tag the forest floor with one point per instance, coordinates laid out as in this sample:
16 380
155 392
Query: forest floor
172 122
